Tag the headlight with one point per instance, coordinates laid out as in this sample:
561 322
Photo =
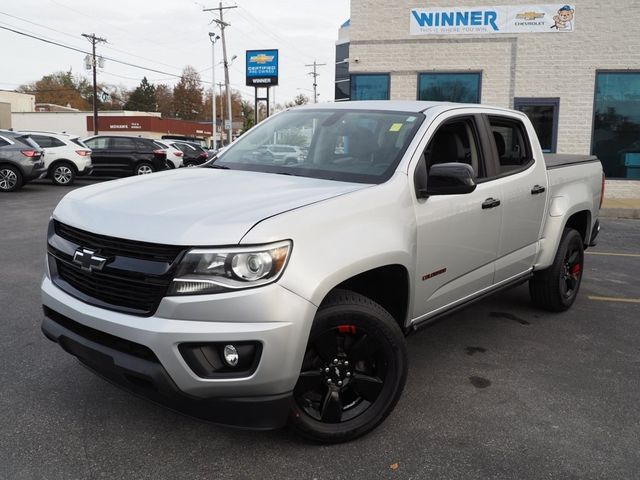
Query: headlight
205 271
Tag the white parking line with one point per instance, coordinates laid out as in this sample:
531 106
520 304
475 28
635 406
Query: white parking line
614 254
614 299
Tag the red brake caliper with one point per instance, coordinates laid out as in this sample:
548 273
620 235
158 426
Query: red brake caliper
347 329
575 270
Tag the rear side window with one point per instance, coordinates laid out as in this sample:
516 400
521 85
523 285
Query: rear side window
98 143
512 144
27 140
3 142
78 142
47 142
122 144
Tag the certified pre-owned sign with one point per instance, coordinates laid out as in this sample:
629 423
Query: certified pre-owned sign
493 20
262 68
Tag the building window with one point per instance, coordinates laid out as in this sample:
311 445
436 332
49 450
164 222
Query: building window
450 87
543 113
616 123
342 90
368 86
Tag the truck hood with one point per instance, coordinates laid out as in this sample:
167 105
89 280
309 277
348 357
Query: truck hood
196 206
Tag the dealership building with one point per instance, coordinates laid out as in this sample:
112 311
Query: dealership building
573 68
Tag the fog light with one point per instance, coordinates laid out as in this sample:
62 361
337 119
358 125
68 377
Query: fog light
230 355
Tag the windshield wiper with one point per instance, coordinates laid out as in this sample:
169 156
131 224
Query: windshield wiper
221 167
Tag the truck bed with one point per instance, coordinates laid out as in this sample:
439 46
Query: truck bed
553 160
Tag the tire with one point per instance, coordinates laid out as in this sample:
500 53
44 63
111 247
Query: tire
556 288
170 165
191 164
340 401
290 161
144 168
63 174
10 178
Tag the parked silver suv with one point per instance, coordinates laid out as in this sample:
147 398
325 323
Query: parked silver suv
20 160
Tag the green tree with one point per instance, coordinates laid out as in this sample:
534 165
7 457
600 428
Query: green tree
143 98
164 100
187 95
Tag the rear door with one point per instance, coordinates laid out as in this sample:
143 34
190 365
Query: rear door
122 154
457 235
100 154
53 148
523 179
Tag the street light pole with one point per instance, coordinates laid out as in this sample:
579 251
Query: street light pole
213 37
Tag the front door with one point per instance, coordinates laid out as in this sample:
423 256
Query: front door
457 235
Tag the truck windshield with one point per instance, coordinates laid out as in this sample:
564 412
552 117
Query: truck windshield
338 144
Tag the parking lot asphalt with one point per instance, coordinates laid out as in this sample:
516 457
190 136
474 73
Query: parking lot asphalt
499 390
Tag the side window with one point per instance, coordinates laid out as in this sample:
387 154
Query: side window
144 145
512 144
98 143
3 142
456 141
122 143
56 143
42 141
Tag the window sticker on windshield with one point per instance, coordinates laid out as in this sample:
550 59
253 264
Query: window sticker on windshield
395 127
410 119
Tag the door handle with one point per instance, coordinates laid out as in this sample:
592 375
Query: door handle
490 203
537 189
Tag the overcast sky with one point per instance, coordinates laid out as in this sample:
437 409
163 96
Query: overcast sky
167 35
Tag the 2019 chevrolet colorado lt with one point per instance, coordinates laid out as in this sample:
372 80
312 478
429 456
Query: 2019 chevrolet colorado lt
253 293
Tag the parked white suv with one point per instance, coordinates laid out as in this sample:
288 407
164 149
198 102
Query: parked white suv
174 155
65 156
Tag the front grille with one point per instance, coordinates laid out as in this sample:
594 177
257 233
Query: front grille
139 295
110 246
134 279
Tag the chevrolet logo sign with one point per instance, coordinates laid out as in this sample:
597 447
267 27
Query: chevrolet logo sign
88 260
262 58
529 16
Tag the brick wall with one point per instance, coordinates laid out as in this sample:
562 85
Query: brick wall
524 65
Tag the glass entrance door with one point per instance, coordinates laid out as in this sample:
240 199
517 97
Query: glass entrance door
543 113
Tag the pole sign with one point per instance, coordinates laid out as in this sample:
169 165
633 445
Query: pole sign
262 68
552 18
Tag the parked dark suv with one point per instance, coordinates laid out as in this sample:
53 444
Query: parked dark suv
194 154
120 156
20 160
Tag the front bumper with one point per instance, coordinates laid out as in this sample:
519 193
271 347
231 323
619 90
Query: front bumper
273 316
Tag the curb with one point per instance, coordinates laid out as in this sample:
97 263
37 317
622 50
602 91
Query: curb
630 213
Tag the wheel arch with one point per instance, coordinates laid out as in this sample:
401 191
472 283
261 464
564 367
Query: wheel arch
58 161
387 285
579 218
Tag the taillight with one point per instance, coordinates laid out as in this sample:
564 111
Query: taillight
30 153
83 153
178 154
602 191
203 155
160 152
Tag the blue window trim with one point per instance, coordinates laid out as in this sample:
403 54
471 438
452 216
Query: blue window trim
369 74
479 73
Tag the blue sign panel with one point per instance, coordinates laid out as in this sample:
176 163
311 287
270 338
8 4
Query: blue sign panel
262 68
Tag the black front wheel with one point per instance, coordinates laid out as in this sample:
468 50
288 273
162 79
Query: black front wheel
353 372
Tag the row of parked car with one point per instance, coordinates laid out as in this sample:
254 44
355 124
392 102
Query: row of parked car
29 155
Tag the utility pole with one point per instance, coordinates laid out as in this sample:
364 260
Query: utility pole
220 85
315 74
213 37
221 23
94 40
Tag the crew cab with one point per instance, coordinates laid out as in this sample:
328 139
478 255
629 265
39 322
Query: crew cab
258 293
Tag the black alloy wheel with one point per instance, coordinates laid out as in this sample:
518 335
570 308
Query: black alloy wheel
353 370
556 288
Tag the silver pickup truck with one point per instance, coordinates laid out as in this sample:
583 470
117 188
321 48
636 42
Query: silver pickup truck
254 293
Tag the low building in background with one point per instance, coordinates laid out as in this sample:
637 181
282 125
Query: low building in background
19 102
574 68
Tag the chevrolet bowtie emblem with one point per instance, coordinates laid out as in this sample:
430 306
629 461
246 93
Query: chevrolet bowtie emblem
88 260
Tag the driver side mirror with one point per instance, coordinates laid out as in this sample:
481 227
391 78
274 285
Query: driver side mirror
444 179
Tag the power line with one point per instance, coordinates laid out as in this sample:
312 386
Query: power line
315 75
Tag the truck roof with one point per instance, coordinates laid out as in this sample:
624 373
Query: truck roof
396 105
